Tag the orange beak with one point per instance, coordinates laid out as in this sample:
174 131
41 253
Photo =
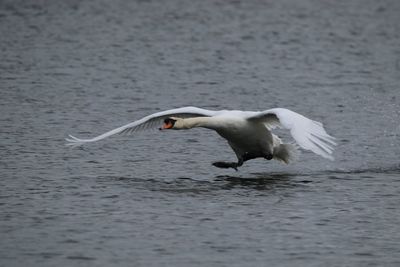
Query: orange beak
167 125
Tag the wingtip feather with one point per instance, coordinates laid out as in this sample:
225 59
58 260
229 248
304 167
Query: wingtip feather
74 141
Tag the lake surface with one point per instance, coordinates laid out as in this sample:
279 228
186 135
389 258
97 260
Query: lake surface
154 199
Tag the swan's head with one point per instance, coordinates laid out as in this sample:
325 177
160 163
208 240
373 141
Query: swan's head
172 123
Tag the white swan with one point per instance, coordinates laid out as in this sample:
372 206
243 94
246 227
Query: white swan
248 132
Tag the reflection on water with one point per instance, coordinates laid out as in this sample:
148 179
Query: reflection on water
220 182
257 181
261 181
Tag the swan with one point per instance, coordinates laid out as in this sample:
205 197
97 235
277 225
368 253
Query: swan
247 132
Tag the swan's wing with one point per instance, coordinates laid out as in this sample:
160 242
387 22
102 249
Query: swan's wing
309 134
147 122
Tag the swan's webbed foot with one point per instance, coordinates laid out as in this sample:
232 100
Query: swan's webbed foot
226 165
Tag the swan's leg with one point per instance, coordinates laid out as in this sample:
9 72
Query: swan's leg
248 156
268 156
241 159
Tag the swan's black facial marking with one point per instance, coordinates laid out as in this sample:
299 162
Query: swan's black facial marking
169 120
168 124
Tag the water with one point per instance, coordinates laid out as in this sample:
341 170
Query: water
84 67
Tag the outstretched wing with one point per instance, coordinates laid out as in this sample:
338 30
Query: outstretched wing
147 122
309 134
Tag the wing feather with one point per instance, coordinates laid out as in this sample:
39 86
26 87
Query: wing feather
145 123
309 134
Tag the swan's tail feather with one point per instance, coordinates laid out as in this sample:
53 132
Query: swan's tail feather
308 134
286 152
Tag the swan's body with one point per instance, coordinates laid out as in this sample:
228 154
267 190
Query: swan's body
247 132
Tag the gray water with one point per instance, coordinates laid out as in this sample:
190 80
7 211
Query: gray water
154 199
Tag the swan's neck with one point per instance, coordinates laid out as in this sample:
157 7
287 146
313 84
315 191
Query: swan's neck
189 123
